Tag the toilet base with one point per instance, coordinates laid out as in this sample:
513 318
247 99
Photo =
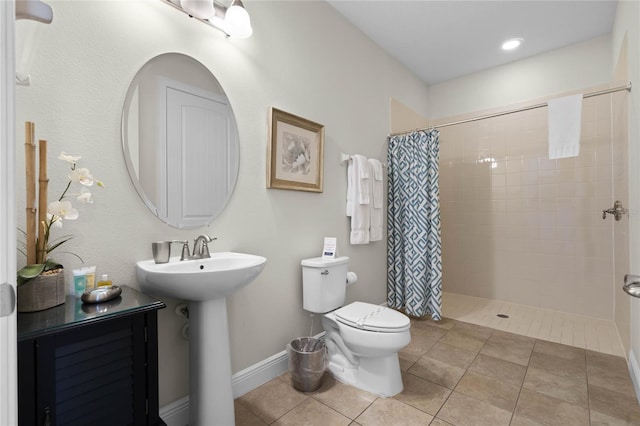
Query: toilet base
380 376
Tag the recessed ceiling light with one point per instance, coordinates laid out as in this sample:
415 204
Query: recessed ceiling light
512 43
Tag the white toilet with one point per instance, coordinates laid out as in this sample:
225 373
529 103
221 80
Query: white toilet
362 339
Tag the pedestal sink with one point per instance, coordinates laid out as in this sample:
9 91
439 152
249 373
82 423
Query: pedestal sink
205 283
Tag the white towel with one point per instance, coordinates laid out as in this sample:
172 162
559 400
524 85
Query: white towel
360 224
565 116
375 208
358 174
362 175
358 200
376 183
350 187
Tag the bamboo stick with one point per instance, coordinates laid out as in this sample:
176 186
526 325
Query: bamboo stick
43 181
30 161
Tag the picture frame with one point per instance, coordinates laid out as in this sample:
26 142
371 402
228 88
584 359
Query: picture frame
295 152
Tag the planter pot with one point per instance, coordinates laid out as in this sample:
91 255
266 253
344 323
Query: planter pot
42 292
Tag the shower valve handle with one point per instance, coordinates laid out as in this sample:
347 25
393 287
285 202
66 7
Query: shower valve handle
617 211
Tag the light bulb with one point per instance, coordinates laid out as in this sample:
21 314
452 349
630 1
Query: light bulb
238 21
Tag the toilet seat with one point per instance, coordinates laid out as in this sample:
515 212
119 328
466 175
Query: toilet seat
367 316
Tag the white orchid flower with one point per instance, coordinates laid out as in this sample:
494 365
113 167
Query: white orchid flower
73 159
62 210
82 176
85 196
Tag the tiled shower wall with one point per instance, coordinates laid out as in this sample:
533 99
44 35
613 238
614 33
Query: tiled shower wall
621 229
519 227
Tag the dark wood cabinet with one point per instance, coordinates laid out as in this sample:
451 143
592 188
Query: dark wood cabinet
82 364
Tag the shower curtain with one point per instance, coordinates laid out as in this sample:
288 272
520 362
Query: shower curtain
414 248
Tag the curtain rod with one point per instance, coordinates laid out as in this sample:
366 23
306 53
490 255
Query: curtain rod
627 87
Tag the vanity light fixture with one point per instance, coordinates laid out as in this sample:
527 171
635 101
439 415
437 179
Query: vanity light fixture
512 43
234 21
201 9
34 10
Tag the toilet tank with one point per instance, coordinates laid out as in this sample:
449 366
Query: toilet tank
324 284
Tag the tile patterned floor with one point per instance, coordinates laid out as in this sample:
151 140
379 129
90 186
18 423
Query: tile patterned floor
458 374
574 330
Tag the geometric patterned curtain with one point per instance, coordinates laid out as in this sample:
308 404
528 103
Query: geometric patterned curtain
414 247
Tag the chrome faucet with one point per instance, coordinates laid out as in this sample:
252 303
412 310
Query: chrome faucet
201 248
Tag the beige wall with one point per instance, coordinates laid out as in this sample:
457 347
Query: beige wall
570 68
404 119
81 66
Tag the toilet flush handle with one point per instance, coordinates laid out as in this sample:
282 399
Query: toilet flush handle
325 272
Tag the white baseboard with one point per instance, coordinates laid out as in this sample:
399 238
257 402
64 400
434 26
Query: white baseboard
634 372
176 413
260 373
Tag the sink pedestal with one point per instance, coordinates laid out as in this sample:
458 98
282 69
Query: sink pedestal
210 391
206 283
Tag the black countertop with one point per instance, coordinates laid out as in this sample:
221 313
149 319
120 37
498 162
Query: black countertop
74 313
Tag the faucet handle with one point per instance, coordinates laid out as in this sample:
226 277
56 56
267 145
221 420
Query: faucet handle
205 246
185 249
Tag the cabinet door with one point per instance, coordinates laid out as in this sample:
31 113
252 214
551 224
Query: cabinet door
34 384
95 374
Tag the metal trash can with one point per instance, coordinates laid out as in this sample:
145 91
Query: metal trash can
307 363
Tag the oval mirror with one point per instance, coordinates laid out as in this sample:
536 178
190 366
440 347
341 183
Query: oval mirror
180 141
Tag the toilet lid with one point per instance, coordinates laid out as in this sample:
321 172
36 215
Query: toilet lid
372 317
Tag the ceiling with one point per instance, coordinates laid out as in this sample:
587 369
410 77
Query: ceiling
441 40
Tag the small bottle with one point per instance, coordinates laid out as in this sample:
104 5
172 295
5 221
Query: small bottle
79 282
91 277
104 281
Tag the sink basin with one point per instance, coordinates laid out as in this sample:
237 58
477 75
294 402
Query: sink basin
199 279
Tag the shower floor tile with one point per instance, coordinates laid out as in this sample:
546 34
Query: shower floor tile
544 324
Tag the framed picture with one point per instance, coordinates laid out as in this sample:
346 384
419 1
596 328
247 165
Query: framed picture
295 152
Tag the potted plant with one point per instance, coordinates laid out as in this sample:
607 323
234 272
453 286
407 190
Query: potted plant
41 282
